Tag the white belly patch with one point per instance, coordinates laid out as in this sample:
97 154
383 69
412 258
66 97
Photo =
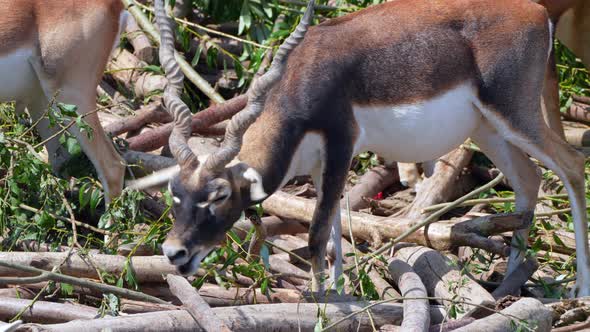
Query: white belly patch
18 76
418 132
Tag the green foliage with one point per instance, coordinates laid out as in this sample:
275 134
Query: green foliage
574 78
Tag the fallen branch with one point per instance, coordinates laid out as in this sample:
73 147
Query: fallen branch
147 114
512 282
45 312
128 70
577 112
273 317
186 67
58 277
443 279
158 137
370 184
452 325
142 48
416 312
442 235
440 186
146 268
195 305
526 312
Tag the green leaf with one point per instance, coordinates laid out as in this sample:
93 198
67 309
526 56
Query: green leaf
72 146
197 56
245 18
45 221
95 198
66 289
130 275
558 240
67 109
153 69
340 285
264 286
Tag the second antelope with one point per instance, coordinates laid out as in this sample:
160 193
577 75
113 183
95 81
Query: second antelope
409 80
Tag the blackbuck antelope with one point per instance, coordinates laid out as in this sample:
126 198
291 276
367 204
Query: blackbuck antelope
59 49
409 80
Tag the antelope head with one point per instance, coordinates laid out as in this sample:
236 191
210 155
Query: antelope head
210 194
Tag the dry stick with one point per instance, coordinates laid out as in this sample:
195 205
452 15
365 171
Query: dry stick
432 218
186 67
75 281
78 223
491 200
195 304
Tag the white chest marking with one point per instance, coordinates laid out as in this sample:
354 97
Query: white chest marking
308 156
418 132
18 77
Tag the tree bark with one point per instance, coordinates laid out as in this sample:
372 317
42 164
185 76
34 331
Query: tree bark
443 279
440 187
527 309
45 312
153 112
128 70
273 317
370 184
416 312
142 47
443 235
147 269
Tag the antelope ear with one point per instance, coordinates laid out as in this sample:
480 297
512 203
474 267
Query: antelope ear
257 192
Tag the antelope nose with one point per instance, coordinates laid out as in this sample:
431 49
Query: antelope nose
176 252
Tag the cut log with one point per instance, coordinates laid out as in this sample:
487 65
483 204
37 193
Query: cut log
45 312
274 226
443 279
416 311
139 307
195 305
273 317
128 70
578 112
147 269
17 292
158 137
142 48
578 136
528 311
